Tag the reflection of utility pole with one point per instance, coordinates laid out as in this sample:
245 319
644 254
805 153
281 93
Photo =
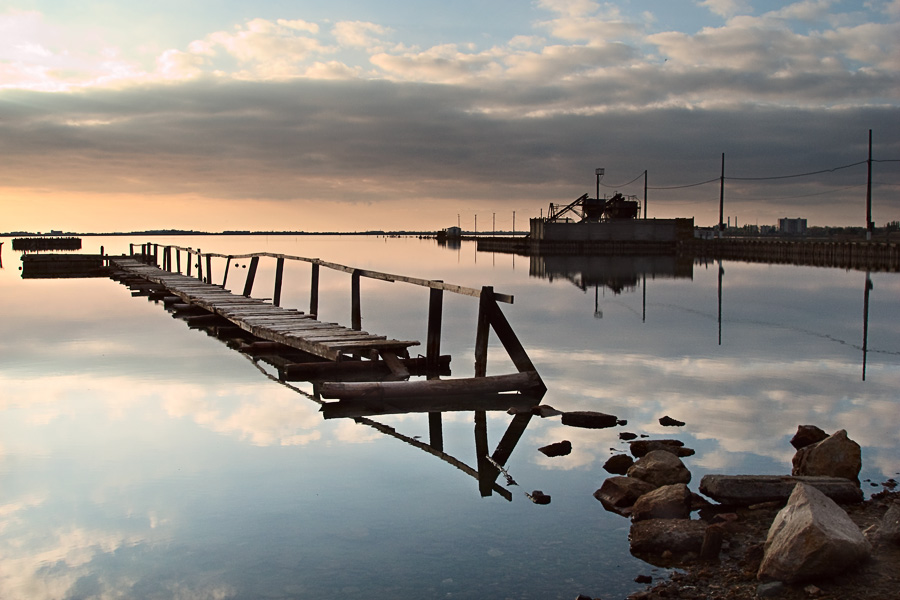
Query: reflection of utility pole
721 273
598 314
644 304
865 347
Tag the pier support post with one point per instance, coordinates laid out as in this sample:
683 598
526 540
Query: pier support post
482 330
225 277
190 259
435 431
355 312
178 260
433 343
208 269
314 291
279 272
251 275
199 265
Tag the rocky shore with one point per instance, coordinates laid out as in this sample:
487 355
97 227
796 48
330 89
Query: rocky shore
806 535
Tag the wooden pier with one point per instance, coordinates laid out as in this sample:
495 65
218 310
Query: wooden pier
360 365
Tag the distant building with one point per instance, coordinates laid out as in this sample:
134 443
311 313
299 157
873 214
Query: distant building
792 226
454 232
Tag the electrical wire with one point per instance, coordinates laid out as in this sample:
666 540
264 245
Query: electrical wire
862 162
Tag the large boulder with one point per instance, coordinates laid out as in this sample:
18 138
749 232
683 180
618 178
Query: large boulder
811 538
618 494
890 524
745 490
835 456
666 502
660 468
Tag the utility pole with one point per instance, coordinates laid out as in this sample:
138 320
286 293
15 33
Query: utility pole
722 197
514 221
645 193
869 224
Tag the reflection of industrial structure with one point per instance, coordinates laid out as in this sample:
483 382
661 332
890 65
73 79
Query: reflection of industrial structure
615 273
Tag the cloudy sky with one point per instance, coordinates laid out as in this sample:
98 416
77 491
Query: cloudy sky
360 114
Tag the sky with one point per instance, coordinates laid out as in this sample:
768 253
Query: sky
355 115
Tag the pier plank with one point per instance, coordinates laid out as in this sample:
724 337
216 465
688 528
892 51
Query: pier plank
267 321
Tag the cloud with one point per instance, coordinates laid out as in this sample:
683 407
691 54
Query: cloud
725 8
359 34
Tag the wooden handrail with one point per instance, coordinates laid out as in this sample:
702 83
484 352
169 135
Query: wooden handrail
429 283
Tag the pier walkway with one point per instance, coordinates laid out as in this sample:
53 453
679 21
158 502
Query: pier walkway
274 323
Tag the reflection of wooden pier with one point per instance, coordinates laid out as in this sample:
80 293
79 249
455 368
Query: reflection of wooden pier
369 374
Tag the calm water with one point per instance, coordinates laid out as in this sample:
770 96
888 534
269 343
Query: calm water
142 459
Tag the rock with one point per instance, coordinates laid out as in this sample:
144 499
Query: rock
835 456
807 435
539 497
626 435
770 589
890 524
641 447
748 490
622 422
545 410
666 502
558 449
618 494
589 419
810 538
643 579
618 464
655 537
668 421
660 468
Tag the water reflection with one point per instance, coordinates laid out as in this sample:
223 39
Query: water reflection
140 459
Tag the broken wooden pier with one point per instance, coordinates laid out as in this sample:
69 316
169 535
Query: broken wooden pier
346 361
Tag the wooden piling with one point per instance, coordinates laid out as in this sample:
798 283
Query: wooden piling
482 331
314 291
355 312
251 275
435 315
225 277
279 273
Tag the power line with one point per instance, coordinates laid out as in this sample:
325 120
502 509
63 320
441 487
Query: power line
624 184
862 162
677 187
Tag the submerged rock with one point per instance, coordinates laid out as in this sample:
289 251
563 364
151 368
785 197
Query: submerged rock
835 456
539 497
660 468
589 419
811 537
639 448
806 435
618 464
557 449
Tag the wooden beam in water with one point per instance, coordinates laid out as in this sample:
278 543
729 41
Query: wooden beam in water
351 368
432 387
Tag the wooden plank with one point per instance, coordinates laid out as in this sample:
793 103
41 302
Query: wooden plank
398 369
430 387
